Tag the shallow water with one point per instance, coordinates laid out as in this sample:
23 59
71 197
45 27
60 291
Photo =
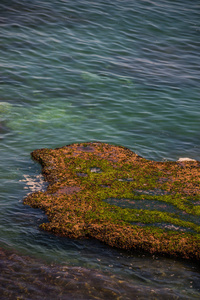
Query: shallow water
134 277
118 72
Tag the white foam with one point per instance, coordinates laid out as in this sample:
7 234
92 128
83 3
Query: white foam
185 159
34 183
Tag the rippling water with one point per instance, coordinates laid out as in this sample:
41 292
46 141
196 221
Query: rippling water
123 72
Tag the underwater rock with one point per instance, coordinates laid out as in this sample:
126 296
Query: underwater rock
82 176
5 109
90 76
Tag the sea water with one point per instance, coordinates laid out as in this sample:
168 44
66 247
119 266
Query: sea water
121 72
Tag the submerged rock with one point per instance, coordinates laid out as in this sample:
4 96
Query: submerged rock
77 207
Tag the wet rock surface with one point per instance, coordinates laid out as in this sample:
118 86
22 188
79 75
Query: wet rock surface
26 278
76 207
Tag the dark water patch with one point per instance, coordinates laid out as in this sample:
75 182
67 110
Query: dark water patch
154 205
82 174
104 185
154 192
163 179
23 277
67 190
142 204
95 170
166 226
172 227
125 179
85 148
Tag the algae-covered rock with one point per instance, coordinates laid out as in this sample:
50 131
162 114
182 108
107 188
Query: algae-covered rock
107 192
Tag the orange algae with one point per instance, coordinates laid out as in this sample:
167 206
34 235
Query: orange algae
82 177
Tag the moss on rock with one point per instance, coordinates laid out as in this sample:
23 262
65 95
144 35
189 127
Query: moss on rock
107 192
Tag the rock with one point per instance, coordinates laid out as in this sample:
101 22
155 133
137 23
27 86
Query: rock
93 193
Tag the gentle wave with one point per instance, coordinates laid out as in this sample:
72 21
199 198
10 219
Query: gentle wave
121 72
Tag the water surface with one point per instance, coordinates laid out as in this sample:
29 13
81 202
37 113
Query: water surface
121 72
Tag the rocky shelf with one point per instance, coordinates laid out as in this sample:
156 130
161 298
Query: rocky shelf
109 193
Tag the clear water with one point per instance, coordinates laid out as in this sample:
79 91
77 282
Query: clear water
122 72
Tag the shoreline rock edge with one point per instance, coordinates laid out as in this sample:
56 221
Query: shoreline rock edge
107 192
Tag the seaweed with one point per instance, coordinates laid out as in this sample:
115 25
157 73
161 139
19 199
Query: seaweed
83 179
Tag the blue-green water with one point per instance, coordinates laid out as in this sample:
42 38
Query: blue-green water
122 72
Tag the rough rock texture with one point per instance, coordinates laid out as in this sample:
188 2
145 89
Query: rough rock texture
107 192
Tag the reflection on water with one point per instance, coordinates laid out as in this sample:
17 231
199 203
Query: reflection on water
23 277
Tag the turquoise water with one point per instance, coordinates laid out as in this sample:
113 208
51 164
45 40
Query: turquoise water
122 72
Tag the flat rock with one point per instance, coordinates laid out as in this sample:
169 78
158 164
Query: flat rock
109 193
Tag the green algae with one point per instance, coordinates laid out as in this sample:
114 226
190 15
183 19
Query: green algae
22 119
82 176
105 78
